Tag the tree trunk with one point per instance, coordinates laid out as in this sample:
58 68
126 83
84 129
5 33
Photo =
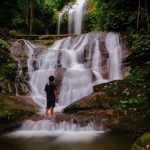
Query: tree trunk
30 16
138 15
147 15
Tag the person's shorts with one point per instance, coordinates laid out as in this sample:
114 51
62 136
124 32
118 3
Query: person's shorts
50 102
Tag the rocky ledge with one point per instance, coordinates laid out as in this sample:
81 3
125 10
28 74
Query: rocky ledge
14 110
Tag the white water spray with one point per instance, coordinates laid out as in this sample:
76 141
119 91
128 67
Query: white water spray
75 14
59 22
96 61
79 13
115 56
71 21
77 78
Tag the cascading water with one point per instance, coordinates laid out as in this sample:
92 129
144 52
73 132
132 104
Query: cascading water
73 76
81 59
96 62
70 21
84 61
79 12
29 60
115 56
75 14
59 22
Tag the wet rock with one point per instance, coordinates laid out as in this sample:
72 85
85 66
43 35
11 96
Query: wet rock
14 110
7 87
20 51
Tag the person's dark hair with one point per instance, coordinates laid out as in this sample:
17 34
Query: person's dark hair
51 78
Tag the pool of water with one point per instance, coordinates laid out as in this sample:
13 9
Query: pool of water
106 141
66 132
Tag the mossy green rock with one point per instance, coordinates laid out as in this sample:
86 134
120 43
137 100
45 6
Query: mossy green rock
14 110
142 143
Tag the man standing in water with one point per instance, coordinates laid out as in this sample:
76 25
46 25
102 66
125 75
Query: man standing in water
51 94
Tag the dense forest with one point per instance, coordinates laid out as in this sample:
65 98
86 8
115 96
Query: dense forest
30 16
130 18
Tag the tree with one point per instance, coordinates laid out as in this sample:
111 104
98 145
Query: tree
30 16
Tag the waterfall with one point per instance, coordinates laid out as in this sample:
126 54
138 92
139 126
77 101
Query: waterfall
79 12
75 14
96 63
77 78
86 60
30 60
74 77
70 21
59 22
115 59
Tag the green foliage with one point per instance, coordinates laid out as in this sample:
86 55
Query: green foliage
142 143
8 66
3 43
121 16
139 44
135 101
90 22
6 116
136 78
111 15
9 71
133 91
16 15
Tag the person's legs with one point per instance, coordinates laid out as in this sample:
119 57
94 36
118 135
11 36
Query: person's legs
46 111
52 112
52 105
47 106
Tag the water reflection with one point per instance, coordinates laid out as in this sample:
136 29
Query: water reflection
102 142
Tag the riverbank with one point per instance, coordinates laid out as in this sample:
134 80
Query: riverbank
14 110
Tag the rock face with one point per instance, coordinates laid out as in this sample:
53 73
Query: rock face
21 51
14 110
7 87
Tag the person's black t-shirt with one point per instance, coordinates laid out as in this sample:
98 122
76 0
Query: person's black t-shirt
50 88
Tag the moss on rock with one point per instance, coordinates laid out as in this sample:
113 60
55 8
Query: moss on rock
142 143
13 110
